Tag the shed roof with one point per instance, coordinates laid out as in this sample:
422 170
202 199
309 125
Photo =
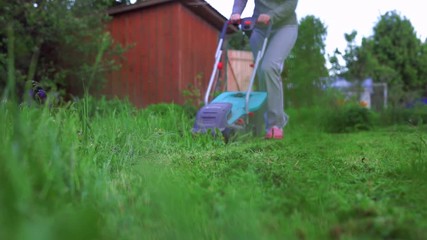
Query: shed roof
199 7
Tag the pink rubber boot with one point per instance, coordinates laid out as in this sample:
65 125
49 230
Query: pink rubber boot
274 133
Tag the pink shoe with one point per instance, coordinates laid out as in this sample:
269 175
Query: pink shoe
275 133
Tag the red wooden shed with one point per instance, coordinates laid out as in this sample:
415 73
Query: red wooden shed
173 45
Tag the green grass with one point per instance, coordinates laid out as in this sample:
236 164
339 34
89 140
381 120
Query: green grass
141 174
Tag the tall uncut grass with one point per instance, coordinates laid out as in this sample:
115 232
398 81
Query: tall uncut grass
142 174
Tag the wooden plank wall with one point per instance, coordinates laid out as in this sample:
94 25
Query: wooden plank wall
239 70
198 43
150 62
171 48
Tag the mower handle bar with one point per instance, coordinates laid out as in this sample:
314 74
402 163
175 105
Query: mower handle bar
218 55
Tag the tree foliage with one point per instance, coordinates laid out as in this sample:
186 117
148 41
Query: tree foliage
125 2
56 42
305 68
395 45
392 55
238 41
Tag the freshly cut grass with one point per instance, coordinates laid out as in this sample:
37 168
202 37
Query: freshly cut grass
142 174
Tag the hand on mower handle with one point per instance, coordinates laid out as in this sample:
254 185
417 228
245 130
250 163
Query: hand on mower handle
264 18
235 18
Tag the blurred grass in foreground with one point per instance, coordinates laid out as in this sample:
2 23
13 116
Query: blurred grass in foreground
141 174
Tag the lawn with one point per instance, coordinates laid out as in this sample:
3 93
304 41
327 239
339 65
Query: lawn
116 172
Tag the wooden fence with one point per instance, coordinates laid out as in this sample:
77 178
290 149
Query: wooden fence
239 70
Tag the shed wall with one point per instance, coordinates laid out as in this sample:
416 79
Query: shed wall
171 48
197 48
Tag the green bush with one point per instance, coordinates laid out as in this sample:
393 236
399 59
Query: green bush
349 118
399 115
57 42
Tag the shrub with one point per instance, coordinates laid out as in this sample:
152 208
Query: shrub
399 115
57 42
349 118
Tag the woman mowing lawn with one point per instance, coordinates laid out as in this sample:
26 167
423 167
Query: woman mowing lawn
282 14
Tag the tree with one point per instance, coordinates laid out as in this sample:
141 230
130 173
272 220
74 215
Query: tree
396 45
422 67
238 41
56 42
336 68
305 68
392 55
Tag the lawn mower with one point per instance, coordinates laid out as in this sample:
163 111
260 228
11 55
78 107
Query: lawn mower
234 111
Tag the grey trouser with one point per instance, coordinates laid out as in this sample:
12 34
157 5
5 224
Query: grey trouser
280 44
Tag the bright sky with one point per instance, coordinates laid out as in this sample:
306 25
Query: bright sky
344 16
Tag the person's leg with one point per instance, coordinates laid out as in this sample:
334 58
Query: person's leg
279 46
256 40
